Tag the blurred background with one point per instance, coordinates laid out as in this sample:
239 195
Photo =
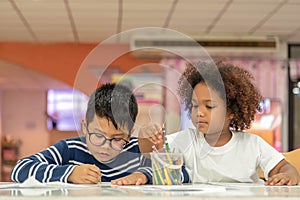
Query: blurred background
53 53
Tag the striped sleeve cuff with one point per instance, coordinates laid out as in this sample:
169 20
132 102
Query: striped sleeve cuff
147 171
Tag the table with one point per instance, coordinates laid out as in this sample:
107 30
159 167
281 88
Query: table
107 191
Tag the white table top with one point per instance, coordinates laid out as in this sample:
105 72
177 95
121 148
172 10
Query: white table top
184 192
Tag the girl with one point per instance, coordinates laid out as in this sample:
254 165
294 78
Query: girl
222 101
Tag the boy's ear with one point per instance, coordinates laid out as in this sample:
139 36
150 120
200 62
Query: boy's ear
83 126
130 133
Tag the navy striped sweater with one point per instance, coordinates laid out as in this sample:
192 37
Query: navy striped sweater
58 161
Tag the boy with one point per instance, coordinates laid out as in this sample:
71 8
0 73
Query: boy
106 152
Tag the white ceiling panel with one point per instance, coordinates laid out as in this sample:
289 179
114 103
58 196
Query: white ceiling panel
96 20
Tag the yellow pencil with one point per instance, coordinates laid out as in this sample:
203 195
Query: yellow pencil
156 166
169 182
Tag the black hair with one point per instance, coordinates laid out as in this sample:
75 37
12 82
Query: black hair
114 102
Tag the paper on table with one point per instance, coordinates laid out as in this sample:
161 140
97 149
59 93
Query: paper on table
31 182
228 184
199 188
245 185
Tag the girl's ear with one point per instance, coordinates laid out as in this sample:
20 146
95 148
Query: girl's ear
83 126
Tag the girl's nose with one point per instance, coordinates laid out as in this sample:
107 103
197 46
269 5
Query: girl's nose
201 111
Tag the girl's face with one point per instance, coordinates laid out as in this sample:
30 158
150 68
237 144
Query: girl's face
208 111
103 128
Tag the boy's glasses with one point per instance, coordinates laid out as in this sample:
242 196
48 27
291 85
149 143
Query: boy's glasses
99 139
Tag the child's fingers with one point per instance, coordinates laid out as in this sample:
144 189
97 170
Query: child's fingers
120 181
279 180
139 181
92 175
157 138
95 169
149 130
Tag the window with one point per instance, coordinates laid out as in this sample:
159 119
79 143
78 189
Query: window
65 109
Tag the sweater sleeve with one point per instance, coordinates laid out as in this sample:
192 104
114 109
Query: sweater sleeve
145 168
184 175
46 166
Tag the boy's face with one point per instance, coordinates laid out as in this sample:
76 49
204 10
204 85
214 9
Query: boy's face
98 130
208 110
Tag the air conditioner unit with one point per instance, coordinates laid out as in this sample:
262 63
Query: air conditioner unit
147 46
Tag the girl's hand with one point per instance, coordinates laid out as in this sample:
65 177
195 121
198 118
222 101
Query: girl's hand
85 174
136 178
150 135
283 174
152 132
282 179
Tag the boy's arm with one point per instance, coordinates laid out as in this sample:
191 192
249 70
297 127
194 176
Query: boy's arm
136 178
185 176
283 174
143 175
146 168
45 166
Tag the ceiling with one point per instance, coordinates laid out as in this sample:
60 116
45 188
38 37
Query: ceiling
96 20
44 21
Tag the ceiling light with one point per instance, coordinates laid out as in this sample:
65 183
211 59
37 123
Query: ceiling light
296 90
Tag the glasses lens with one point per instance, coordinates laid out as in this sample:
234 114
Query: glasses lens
97 139
117 144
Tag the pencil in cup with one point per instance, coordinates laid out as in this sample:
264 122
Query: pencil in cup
174 173
164 172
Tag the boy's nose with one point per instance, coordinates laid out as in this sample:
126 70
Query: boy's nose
106 144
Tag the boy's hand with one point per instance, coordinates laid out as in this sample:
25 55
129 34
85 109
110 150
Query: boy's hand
282 179
136 178
85 174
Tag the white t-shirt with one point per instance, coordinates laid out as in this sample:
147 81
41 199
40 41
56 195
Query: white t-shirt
236 161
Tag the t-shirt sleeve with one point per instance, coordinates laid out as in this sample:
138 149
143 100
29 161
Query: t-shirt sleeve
269 157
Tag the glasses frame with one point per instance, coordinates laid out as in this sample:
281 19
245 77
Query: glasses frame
105 139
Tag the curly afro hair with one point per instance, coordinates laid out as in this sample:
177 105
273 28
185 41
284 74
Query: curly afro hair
233 84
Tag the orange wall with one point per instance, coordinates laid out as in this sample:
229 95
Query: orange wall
63 60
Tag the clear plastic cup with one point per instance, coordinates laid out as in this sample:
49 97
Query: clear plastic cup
166 168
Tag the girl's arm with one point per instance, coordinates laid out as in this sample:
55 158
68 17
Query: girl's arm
283 174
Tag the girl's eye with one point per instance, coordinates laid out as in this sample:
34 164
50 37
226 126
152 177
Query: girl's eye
195 106
210 107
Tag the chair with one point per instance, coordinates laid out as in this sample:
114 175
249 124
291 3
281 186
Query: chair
293 157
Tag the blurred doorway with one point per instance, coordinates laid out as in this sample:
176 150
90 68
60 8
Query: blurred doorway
294 96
